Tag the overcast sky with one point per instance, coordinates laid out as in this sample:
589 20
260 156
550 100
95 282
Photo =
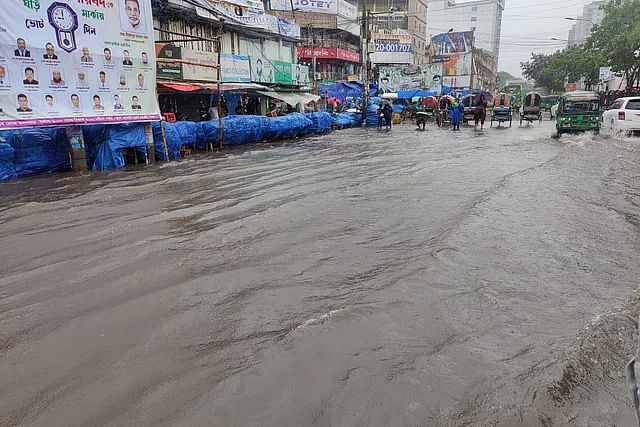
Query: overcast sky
529 25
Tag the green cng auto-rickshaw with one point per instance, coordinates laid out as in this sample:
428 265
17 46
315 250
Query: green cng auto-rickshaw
578 112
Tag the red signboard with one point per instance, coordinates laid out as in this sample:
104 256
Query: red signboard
329 53
570 87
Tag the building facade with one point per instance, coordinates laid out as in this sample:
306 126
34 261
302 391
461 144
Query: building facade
483 17
592 14
402 16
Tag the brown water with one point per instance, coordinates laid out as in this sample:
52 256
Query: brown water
356 279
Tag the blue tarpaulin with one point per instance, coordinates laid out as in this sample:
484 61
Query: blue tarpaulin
173 137
288 126
105 143
7 169
237 130
211 131
341 90
38 150
321 122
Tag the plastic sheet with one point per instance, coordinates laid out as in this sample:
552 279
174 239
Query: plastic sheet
210 131
188 131
7 169
105 143
347 120
237 130
284 127
321 122
38 150
371 119
173 137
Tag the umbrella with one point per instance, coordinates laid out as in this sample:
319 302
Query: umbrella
486 95
450 98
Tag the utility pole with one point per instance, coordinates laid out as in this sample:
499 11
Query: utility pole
313 59
365 60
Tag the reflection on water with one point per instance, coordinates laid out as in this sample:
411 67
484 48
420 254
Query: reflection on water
360 278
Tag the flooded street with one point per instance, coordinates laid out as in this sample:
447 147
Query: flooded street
355 279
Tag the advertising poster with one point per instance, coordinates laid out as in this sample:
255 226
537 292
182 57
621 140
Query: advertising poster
394 79
316 6
605 74
76 62
433 77
168 69
457 65
197 72
449 43
262 70
235 68
392 48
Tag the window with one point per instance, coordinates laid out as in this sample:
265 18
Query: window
474 19
616 105
474 9
633 104
473 28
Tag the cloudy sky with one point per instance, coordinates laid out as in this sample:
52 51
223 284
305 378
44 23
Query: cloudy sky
529 25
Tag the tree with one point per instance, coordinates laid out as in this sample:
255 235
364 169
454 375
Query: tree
539 69
617 38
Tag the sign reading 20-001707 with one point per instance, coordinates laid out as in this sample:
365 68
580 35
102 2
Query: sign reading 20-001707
76 62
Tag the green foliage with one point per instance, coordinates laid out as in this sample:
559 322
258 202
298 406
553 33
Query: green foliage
615 42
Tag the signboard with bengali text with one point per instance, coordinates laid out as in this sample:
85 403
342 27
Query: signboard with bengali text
235 68
316 6
391 48
76 62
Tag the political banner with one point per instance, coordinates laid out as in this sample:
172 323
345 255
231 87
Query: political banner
235 68
299 75
87 61
282 72
247 13
262 70
606 74
433 77
394 79
391 48
450 43
288 28
315 6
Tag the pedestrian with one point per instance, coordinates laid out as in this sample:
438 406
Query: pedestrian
456 115
273 111
213 111
388 115
481 111
204 112
240 108
380 116
223 107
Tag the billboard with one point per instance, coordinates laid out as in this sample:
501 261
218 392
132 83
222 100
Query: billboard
391 48
394 79
64 63
315 6
168 69
450 43
196 72
329 52
240 12
457 65
282 72
299 75
606 75
347 10
433 77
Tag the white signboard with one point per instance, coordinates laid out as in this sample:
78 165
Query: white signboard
317 6
240 12
195 72
347 10
391 48
76 62
262 70
235 68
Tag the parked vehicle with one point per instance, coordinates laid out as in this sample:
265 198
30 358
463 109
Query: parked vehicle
531 110
578 112
430 105
442 114
623 116
515 90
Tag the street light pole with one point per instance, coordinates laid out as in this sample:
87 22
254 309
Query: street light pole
365 61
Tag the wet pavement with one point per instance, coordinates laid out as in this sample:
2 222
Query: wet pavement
355 279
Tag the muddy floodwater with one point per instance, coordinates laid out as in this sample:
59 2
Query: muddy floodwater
360 278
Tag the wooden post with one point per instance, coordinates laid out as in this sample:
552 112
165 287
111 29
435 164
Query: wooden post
164 142
219 89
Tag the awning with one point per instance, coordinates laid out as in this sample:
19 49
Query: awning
181 87
240 86
292 98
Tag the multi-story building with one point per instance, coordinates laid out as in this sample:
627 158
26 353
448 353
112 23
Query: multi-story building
402 16
328 37
483 17
592 14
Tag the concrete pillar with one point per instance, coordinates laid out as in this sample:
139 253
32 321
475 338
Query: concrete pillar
77 152
148 133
